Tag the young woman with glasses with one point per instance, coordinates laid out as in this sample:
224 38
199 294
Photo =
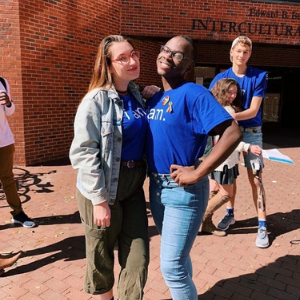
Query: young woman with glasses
108 150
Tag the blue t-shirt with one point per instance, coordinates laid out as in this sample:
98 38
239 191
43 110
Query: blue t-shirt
254 83
134 126
179 122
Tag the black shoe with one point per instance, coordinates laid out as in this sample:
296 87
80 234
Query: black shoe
23 219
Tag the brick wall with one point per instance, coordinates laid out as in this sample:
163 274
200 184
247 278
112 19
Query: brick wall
50 63
59 40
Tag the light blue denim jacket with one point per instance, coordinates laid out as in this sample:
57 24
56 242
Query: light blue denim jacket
97 144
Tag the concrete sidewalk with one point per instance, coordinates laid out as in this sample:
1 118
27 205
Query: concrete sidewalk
224 268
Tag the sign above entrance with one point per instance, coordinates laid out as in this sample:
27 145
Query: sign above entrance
245 27
256 27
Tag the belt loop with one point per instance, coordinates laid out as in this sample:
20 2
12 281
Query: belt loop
168 181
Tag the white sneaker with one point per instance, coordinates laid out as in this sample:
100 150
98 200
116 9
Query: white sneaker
262 240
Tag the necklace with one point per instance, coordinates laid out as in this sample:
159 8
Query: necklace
122 92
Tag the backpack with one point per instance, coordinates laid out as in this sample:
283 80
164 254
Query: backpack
3 82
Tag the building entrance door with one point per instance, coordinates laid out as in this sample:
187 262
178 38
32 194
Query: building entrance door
291 99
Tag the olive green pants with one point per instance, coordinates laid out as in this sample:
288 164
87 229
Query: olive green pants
128 229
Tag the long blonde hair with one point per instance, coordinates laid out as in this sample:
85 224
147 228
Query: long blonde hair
102 77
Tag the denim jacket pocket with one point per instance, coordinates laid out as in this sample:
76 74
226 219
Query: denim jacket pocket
107 130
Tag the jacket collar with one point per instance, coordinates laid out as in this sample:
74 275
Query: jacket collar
132 88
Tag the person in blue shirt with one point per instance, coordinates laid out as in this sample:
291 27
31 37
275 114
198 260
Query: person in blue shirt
108 150
253 84
180 119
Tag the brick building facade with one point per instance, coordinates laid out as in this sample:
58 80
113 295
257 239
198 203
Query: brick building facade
48 49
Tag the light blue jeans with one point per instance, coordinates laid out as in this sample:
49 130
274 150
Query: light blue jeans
177 213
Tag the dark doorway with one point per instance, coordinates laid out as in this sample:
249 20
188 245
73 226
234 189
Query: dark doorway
291 99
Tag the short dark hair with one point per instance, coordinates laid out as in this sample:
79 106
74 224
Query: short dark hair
188 39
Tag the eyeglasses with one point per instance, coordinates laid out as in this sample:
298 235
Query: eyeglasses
231 93
179 56
125 58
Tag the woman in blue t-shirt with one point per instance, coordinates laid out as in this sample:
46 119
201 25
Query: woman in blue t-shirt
108 151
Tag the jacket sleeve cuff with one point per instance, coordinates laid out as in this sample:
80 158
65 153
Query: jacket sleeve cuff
99 197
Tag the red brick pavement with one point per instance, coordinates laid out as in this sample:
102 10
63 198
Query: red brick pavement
224 268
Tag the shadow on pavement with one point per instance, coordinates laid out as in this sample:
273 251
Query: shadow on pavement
277 280
26 182
58 219
69 249
278 224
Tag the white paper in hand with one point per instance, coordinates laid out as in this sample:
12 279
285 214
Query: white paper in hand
275 155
